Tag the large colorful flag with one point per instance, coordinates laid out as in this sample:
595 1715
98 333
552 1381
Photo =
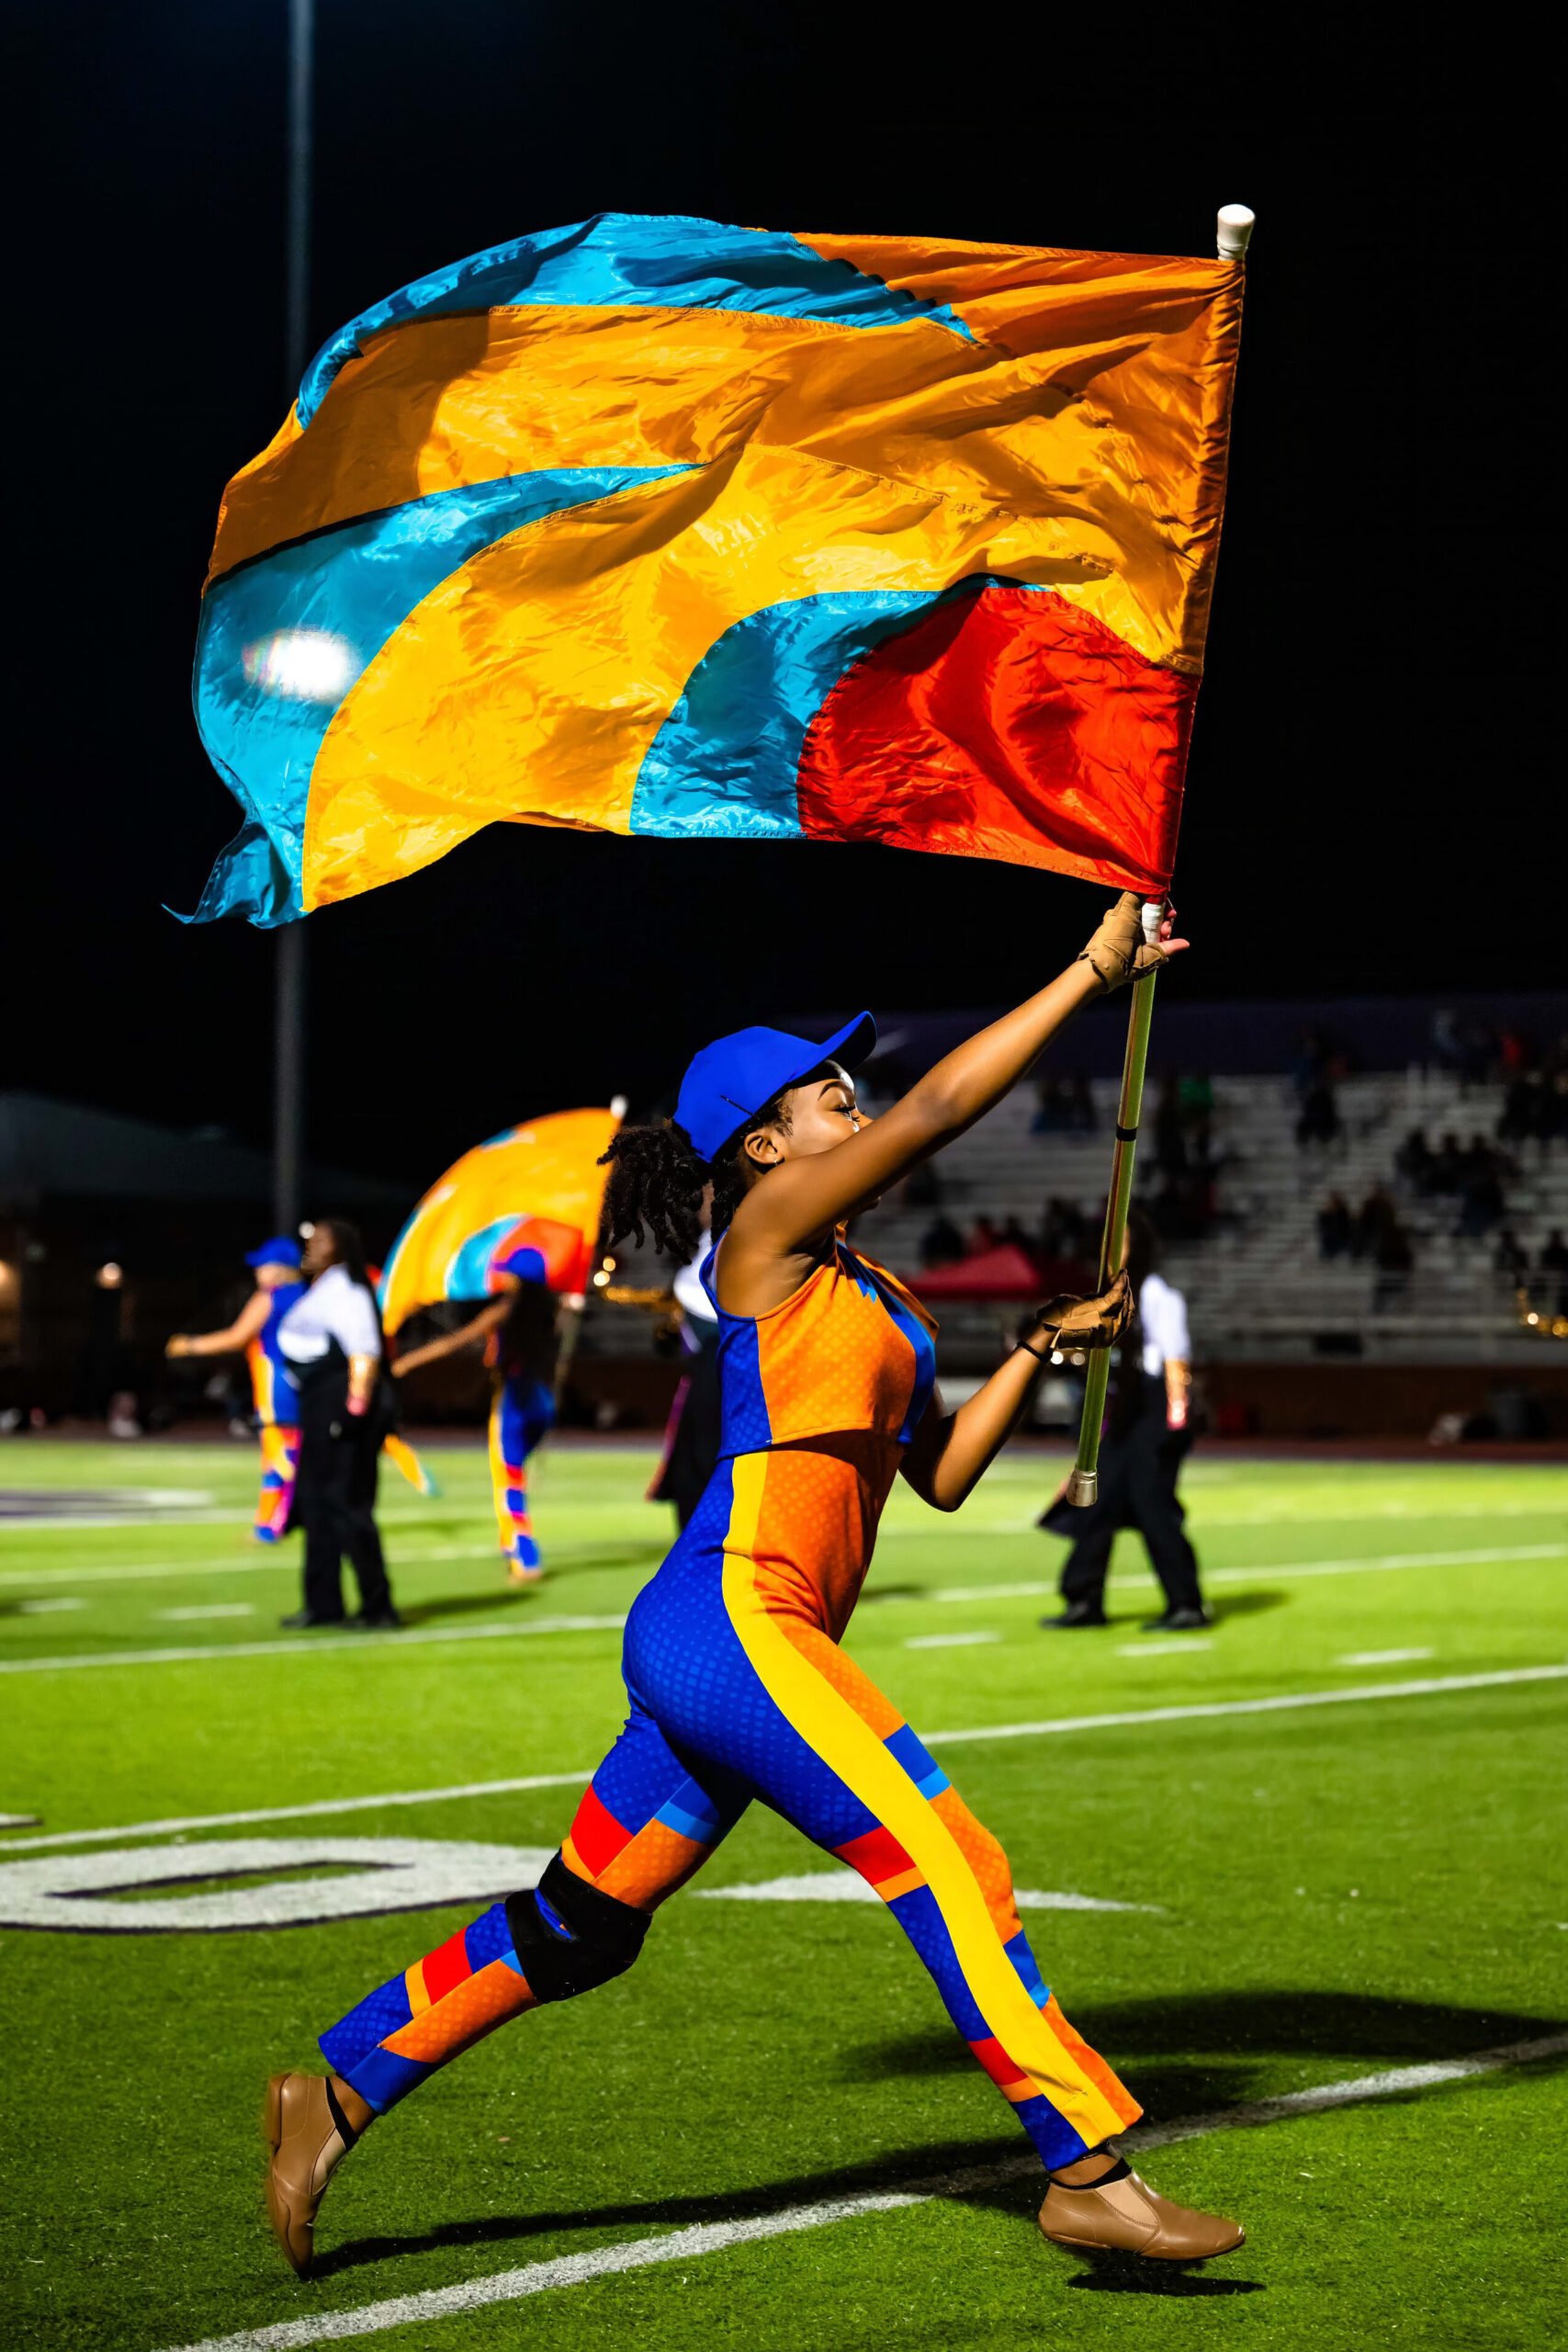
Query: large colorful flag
532 1196
661 526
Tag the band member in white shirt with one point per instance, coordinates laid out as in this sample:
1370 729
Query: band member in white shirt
331 1338
1149 1435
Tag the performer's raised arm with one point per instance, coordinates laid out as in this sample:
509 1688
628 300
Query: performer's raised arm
800 1187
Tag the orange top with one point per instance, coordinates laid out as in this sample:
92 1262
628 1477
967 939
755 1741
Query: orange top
850 1349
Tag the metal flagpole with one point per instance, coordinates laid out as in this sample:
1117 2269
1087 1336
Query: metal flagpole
288 1007
1233 229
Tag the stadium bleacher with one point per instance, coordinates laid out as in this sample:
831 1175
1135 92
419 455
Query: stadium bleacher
1257 1286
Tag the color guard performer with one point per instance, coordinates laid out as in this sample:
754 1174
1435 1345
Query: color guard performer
739 1688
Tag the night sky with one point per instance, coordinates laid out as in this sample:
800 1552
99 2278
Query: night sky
1371 775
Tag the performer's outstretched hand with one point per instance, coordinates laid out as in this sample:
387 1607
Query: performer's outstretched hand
1118 952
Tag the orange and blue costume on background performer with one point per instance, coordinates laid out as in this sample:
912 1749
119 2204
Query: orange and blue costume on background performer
739 1690
277 1402
523 1407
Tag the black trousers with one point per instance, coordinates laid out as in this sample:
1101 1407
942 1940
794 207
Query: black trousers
334 1493
1139 1464
691 1453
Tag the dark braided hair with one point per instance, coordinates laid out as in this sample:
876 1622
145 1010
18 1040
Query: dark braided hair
655 1190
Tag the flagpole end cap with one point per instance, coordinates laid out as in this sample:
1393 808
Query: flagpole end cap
1234 230
1083 1488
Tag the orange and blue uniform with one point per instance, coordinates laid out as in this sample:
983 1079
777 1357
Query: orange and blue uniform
739 1690
277 1401
521 1356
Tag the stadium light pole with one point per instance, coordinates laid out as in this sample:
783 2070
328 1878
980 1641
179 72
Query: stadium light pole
288 1003
1233 230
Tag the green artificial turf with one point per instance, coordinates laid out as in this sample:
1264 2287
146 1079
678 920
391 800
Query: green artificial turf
1331 1891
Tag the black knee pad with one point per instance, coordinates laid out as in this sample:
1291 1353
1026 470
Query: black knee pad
569 1938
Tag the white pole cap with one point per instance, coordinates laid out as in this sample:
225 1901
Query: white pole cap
1234 231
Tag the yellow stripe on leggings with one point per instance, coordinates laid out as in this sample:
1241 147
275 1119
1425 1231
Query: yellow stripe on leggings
505 1528
849 1747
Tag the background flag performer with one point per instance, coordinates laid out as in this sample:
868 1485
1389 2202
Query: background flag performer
253 1333
737 1684
519 1332
515 1221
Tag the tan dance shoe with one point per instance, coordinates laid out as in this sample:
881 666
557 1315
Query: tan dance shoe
312 2120
1120 2211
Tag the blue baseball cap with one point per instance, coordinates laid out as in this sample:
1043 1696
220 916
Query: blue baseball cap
279 1251
734 1078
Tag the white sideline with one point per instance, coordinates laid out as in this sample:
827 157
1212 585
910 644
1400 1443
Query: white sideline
1427 1688
383 1644
714 2237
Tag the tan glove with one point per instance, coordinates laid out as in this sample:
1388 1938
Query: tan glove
1117 951
1068 1322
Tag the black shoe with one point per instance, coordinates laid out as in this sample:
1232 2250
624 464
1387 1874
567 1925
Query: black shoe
377 1620
1180 1620
1078 1612
303 1617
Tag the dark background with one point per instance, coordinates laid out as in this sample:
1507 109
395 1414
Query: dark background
1369 785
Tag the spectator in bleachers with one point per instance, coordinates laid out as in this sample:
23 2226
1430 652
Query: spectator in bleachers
1065 1233
1509 1257
1319 1119
1054 1113
924 1188
1377 1216
1309 1067
1447 1046
1393 1259
1415 1160
1334 1232
1553 1263
982 1238
1514 1053
1170 1130
1481 1189
1197 1098
941 1244
1527 1108
1448 1168
1082 1116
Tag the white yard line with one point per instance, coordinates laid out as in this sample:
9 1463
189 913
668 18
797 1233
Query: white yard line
1428 1688
714 2237
265 1558
1425 1689
305 1646
948 1641
180 1822
280 1563
1372 1565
